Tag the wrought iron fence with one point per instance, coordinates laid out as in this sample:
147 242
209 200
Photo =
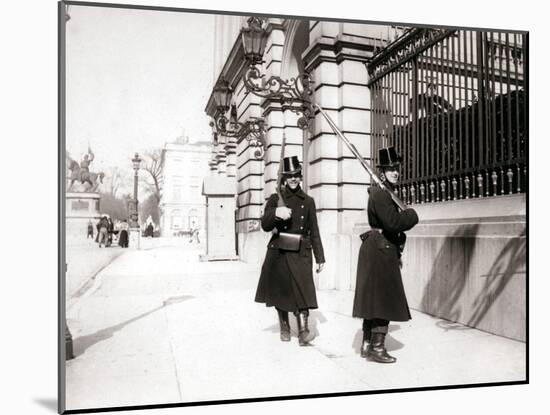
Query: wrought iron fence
454 104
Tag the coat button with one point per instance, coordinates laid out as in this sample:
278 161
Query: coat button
301 227
301 217
302 206
285 227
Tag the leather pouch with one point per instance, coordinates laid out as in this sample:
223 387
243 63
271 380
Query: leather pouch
289 241
364 235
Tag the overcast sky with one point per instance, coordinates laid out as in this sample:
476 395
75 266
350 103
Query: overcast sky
135 80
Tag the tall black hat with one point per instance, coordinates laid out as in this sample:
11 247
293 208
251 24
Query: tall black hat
388 157
291 165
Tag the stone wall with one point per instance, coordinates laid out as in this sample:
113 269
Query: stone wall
466 262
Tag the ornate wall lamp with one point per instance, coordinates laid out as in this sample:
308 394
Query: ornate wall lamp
253 130
295 94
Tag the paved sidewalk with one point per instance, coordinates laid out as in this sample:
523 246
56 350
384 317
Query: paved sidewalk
84 260
160 327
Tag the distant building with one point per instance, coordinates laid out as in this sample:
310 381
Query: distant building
182 206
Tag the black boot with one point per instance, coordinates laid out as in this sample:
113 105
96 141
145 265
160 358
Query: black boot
284 324
365 344
366 338
304 335
376 350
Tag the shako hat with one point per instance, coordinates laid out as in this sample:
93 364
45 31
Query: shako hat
291 166
388 157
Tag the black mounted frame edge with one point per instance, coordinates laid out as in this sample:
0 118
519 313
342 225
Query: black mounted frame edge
527 106
291 397
61 116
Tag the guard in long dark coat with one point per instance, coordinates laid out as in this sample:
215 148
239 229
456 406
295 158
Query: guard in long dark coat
379 293
286 280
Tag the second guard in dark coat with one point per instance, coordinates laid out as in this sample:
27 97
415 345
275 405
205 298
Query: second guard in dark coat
379 293
286 280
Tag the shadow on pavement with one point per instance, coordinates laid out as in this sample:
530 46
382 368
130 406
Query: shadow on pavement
273 329
48 403
81 344
450 325
316 318
391 342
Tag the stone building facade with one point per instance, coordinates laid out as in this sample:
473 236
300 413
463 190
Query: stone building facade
182 205
464 262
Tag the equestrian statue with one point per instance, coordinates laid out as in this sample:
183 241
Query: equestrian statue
81 172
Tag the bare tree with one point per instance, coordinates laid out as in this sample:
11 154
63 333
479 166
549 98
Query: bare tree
153 163
117 179
150 207
114 206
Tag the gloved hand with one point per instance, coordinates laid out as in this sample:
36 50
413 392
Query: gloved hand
283 212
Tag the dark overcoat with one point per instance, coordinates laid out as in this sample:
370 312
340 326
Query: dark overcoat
379 291
286 280
123 238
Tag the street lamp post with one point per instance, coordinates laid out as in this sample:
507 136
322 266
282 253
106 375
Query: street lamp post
136 162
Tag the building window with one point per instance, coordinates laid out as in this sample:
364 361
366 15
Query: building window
194 222
177 189
176 220
194 184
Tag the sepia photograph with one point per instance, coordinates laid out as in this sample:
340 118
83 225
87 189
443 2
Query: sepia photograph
259 206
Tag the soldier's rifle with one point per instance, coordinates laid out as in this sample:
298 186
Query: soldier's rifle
361 160
281 202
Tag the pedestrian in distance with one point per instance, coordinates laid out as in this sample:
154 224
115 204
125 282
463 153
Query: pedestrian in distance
97 227
379 293
103 231
90 233
194 236
110 231
286 280
123 235
149 230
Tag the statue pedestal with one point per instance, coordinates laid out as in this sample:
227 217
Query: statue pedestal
80 208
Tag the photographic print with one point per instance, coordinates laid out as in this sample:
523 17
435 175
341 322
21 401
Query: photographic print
267 206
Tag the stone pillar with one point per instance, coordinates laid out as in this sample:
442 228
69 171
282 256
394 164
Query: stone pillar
336 60
221 157
231 152
254 176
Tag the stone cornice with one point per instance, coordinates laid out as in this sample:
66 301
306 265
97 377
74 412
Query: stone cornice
276 25
338 49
